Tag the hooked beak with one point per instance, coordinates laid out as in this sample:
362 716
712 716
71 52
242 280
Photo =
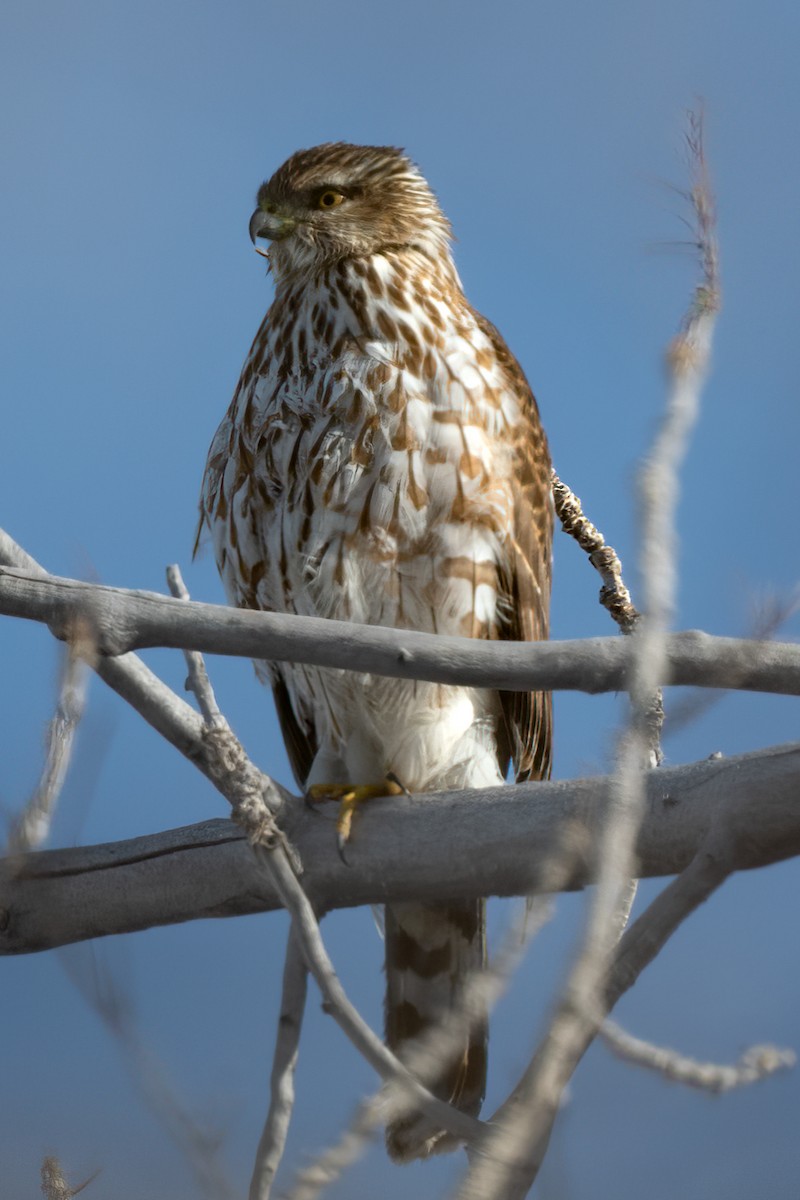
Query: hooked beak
272 226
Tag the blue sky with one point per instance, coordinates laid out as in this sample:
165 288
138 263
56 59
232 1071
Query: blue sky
134 138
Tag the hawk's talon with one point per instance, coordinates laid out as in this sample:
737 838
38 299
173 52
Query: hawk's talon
341 843
390 775
350 797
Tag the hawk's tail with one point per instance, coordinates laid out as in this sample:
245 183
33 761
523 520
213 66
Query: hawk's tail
430 952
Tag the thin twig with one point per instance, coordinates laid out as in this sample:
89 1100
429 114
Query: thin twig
425 1057
54 1184
197 681
32 826
269 849
128 676
200 1146
287 1044
757 1063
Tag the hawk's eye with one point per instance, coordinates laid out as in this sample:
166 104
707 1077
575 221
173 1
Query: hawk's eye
330 199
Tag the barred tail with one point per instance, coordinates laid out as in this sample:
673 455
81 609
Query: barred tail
430 952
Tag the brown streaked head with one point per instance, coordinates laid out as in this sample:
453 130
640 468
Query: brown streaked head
339 201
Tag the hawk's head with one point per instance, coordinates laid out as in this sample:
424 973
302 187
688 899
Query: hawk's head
341 201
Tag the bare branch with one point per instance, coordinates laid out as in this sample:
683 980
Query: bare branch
757 1063
123 620
127 675
168 714
32 827
496 841
198 681
287 1044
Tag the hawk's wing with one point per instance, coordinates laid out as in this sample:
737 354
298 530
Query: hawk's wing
300 737
299 732
525 604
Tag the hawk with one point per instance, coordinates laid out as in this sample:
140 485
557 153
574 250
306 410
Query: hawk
382 461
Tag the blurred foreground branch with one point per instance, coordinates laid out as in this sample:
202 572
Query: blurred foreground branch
758 1062
54 1184
32 826
512 1151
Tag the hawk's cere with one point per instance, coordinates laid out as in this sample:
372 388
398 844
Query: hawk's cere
382 461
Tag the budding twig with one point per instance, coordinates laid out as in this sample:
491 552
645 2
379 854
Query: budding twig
614 595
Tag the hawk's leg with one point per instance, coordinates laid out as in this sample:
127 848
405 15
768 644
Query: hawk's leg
350 797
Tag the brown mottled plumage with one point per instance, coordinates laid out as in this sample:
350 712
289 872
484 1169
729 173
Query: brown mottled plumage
382 461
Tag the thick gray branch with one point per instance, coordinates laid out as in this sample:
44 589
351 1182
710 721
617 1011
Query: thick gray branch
455 844
131 620
128 676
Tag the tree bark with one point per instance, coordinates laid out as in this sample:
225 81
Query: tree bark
125 620
426 848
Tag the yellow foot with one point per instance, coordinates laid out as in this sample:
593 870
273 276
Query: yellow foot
350 796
